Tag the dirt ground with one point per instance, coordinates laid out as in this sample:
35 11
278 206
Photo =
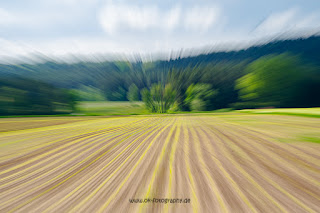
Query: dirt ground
178 163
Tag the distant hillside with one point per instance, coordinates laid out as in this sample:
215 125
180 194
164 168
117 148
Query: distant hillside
113 79
90 74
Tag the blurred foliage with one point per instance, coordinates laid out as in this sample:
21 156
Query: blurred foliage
159 98
260 76
133 93
23 96
280 79
88 93
199 96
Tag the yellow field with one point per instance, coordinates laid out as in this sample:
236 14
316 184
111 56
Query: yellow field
231 162
315 111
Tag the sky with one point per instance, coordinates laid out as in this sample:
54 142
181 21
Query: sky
92 27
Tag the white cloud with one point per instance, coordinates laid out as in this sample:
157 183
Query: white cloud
64 27
172 18
201 18
114 17
278 21
287 21
310 21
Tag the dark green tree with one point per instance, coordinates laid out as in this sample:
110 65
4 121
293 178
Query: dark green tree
23 96
199 96
274 78
133 93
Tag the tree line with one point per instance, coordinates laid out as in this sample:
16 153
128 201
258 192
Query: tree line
260 76
21 96
271 81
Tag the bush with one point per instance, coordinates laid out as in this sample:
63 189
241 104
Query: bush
133 93
199 97
198 105
159 99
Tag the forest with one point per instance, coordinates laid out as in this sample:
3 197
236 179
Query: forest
282 73
21 96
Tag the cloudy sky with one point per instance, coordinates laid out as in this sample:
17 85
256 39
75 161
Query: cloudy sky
59 27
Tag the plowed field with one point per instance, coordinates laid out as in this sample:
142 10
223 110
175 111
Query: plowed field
230 162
